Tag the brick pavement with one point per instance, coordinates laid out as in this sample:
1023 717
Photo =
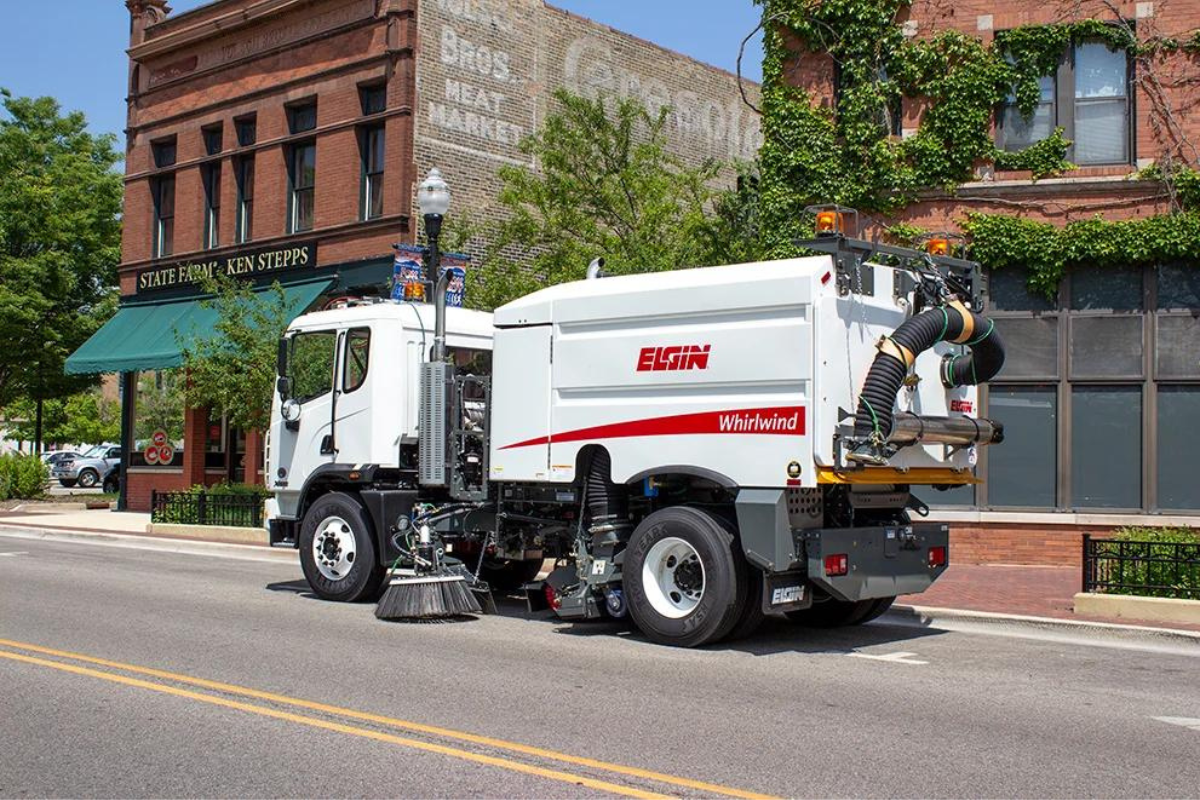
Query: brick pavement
1013 589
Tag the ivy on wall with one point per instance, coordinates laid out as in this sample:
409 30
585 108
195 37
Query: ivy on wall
814 154
1046 252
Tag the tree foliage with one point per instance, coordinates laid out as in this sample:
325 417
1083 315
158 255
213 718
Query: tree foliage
60 237
86 417
232 372
605 185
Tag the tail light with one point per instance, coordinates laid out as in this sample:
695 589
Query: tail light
838 564
552 598
937 556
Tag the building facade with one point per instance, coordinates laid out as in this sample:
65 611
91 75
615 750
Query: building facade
1100 381
281 140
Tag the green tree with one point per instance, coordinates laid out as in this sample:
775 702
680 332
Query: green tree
60 238
87 417
605 185
232 372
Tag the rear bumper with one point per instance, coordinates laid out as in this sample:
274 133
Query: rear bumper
882 561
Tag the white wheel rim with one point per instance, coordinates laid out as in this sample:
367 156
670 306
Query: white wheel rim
673 577
334 549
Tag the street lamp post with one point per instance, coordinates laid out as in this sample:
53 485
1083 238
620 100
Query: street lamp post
433 198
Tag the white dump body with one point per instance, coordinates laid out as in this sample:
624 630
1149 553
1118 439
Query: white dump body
734 371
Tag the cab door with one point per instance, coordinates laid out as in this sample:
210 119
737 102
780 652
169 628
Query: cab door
304 442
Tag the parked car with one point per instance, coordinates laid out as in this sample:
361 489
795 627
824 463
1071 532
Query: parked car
88 469
53 457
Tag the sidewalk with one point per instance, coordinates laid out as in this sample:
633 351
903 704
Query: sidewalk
1014 589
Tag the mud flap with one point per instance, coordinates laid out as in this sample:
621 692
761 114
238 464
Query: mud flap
883 561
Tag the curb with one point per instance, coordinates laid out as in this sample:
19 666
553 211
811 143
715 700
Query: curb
926 616
136 541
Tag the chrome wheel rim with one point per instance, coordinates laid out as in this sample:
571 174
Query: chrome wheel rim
673 577
334 548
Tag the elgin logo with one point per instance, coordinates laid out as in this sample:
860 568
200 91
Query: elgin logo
962 406
659 359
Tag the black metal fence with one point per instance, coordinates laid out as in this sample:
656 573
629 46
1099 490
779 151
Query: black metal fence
1153 569
205 508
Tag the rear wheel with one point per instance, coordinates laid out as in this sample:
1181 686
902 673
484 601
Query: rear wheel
66 484
685 577
336 550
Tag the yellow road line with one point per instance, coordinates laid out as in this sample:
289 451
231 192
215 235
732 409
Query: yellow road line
503 763
487 741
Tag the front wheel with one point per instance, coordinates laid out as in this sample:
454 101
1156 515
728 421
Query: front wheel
336 550
685 577
88 478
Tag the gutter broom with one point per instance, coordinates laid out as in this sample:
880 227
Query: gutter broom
429 592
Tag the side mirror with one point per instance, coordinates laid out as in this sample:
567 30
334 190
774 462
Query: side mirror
284 387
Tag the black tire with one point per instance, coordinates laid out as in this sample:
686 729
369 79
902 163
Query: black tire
838 613
752 615
112 485
362 579
66 484
506 575
88 478
723 594
881 607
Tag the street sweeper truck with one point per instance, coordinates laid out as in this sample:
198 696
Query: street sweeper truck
695 448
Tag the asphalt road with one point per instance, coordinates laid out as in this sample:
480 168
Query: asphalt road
138 672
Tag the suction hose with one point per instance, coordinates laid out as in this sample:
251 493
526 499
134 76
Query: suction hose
953 322
607 503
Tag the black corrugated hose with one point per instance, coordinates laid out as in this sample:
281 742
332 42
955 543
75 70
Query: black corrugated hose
917 334
607 503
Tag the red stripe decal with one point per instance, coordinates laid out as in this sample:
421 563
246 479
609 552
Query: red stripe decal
782 421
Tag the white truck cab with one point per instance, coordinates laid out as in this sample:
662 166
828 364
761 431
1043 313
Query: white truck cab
350 398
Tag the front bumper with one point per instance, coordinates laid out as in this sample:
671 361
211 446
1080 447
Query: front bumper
882 561
65 474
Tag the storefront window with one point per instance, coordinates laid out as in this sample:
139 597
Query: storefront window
158 420
1023 470
1106 447
1178 443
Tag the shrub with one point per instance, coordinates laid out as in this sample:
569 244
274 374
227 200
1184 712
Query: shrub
1150 558
22 477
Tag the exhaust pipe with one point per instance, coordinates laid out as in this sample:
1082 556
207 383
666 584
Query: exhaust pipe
595 269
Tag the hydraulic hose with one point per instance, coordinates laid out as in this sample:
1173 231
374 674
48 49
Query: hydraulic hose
953 322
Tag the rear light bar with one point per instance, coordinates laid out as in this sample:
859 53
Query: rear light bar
838 564
937 556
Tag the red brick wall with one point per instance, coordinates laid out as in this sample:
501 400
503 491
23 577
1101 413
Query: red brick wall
1020 543
1069 198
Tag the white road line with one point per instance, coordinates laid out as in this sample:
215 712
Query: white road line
894 658
16 553
1185 722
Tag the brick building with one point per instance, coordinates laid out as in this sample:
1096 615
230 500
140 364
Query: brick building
1101 384
282 140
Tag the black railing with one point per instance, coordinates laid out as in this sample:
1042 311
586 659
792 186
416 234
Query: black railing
1154 569
204 508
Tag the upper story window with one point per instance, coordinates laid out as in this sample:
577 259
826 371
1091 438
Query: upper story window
302 181
211 177
213 139
244 222
1088 97
302 117
373 98
163 191
163 152
889 116
247 130
371 142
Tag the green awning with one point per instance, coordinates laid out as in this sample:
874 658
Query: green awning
146 335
